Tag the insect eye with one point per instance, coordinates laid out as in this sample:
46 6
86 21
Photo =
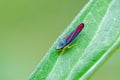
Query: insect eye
62 44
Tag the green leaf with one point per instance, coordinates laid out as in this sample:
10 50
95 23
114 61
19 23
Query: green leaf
99 39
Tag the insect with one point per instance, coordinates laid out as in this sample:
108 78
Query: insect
64 43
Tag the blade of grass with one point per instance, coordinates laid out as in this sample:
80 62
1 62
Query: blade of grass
98 40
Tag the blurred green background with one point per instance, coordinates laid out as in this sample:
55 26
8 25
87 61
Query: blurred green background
28 29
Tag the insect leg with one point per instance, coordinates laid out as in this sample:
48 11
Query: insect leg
69 46
63 50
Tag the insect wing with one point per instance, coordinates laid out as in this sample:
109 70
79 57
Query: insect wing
69 38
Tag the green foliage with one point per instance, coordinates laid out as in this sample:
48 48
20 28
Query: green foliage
99 39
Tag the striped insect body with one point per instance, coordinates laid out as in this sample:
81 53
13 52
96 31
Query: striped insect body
70 37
